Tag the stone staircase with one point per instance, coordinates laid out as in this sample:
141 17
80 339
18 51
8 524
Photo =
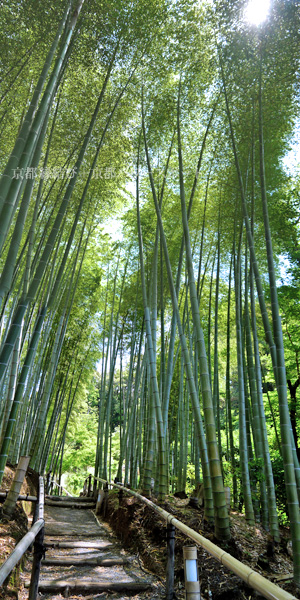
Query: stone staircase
82 556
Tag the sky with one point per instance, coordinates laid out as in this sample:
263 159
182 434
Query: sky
257 11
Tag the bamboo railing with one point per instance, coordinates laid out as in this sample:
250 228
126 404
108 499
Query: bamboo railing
24 497
35 535
61 489
266 588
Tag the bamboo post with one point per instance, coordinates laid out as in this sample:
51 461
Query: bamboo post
170 561
192 584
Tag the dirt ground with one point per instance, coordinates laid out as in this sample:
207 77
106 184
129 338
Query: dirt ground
140 528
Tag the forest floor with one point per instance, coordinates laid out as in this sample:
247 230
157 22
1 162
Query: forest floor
140 528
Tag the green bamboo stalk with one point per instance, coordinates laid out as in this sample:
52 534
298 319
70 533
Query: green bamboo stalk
16 153
209 325
285 423
222 528
52 442
9 266
46 254
10 200
256 426
181 430
249 432
249 513
24 375
19 392
258 283
162 475
12 384
170 362
228 392
272 509
45 397
216 399
138 374
188 367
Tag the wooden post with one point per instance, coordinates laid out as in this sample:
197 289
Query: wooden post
38 553
84 493
100 499
120 496
48 485
95 489
170 561
89 485
38 546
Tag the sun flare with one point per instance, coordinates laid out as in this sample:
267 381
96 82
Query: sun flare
257 11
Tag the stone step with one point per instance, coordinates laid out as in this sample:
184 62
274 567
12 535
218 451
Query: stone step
69 498
82 557
77 505
81 585
100 562
98 544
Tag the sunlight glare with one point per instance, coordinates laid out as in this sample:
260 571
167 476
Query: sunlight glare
257 11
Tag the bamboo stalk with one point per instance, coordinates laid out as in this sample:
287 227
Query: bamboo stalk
12 497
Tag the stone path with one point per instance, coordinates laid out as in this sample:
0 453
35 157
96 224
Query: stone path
83 557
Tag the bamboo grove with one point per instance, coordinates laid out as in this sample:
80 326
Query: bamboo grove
174 350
